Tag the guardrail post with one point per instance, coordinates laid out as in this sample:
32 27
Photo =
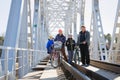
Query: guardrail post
32 59
29 60
0 68
6 64
26 62
20 62
14 68
23 63
36 57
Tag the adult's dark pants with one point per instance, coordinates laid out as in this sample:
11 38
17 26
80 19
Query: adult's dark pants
63 53
84 50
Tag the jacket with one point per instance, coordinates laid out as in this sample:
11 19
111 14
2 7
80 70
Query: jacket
87 38
70 43
49 46
61 38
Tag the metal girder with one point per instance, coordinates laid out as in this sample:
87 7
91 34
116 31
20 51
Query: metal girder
35 24
115 43
63 14
30 38
98 41
36 29
69 18
12 33
56 11
43 28
82 12
23 39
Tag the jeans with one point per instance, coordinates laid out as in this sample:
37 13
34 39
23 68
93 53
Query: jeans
70 56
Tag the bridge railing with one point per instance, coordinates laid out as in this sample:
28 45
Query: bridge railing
23 61
112 55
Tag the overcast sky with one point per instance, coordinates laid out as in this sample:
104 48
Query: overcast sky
107 9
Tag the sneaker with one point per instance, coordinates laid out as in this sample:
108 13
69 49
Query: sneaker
83 65
86 65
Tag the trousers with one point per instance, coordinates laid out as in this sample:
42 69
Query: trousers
84 50
70 56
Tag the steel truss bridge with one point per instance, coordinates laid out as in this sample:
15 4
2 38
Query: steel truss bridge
26 36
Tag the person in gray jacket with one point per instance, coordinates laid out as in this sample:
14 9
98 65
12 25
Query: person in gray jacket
83 43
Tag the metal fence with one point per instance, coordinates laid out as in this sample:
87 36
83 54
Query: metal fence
22 63
112 55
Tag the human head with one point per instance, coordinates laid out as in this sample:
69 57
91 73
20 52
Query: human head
50 37
60 31
83 28
70 36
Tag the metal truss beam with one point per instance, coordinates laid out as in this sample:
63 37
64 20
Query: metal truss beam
99 45
115 43
12 32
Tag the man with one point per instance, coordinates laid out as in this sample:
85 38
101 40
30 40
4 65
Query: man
62 38
70 43
84 42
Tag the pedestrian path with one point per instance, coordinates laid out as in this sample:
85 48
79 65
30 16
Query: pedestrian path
45 72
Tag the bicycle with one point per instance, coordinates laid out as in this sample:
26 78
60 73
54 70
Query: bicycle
76 57
56 54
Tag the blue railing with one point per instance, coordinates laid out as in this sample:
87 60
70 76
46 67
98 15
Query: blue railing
23 63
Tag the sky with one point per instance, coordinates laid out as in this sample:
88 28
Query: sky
107 10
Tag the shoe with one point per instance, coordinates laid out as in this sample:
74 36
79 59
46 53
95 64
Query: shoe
83 65
86 65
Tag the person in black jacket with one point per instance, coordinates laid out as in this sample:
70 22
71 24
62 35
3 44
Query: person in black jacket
84 42
70 43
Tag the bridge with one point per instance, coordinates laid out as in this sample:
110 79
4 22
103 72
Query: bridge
26 36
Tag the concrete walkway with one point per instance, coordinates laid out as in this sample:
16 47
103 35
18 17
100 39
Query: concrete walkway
49 73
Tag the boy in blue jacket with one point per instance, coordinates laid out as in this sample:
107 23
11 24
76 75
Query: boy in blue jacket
49 45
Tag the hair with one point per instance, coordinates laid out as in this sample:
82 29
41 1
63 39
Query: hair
83 26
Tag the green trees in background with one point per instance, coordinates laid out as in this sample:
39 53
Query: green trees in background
108 40
1 43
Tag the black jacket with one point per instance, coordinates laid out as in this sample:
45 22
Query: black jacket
70 43
87 38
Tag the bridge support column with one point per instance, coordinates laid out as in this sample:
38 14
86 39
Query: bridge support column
98 44
12 34
114 54
23 41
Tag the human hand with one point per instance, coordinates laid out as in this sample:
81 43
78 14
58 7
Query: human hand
84 42
76 47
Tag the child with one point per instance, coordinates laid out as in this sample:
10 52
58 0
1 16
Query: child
49 45
70 43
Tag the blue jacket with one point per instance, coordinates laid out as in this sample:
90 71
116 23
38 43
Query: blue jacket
49 46
61 38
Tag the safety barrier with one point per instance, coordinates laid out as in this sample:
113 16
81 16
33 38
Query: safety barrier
113 56
23 63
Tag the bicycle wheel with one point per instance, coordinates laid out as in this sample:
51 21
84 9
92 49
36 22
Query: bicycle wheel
76 57
55 59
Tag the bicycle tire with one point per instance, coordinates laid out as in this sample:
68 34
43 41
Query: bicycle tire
77 57
55 59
